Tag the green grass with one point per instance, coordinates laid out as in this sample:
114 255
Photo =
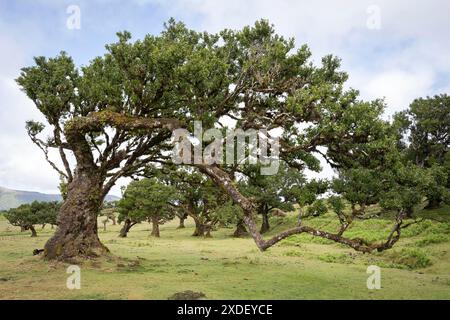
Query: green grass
301 267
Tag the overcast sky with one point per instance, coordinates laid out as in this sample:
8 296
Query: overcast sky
398 50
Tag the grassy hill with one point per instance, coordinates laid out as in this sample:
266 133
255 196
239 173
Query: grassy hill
14 198
222 267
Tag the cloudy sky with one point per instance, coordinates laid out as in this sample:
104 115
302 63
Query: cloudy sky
398 50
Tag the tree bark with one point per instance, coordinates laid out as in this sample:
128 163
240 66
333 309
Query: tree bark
77 234
155 227
240 231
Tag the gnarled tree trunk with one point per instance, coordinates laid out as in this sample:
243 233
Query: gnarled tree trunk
77 234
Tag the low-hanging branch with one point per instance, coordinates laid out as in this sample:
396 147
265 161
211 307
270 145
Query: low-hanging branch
222 179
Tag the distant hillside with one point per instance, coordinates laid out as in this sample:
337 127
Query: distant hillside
14 198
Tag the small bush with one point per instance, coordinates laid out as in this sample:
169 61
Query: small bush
432 239
411 258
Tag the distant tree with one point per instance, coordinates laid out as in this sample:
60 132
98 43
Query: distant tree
108 211
426 126
197 197
428 122
182 216
279 191
306 193
317 208
27 216
402 188
337 205
146 200
359 186
435 185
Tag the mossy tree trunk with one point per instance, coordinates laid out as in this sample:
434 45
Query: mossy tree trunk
77 233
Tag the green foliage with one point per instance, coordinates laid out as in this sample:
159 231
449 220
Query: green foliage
411 258
198 197
145 199
28 215
318 208
403 187
429 125
433 239
360 186
279 191
435 185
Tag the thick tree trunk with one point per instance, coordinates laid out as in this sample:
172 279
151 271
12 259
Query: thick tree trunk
240 231
126 227
77 235
265 222
33 231
113 218
155 227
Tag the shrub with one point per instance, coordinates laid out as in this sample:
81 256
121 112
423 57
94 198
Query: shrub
411 258
432 239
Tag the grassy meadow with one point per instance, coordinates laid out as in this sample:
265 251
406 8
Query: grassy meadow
222 267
